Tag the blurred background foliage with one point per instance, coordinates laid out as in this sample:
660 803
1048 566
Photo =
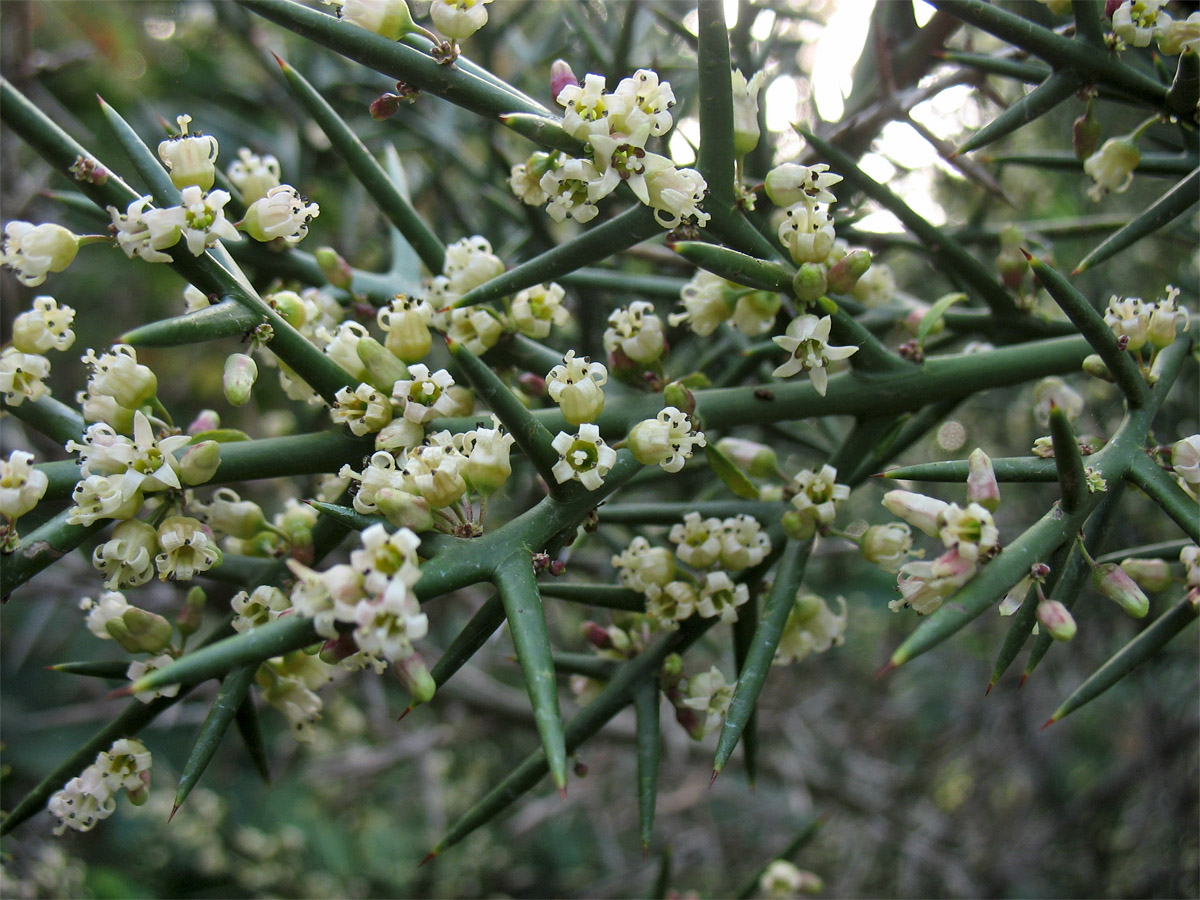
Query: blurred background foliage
924 787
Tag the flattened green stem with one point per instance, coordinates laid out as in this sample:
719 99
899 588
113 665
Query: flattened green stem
363 166
1059 51
1068 462
531 435
762 649
737 267
394 59
614 697
619 233
1041 100
1017 469
251 733
1095 331
234 691
58 148
527 624
144 161
716 157
49 543
221 320
113 670
649 752
50 417
1132 655
945 248
1166 208
249 648
606 596
135 716
1163 490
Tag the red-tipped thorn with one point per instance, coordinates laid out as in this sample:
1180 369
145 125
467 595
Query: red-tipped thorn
645 847
1028 255
428 856
405 713
991 684
1049 722
891 665
713 780
562 792
1077 270
1024 678
120 692
174 809
278 59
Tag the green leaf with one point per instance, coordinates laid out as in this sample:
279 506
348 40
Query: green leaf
527 624
730 474
935 314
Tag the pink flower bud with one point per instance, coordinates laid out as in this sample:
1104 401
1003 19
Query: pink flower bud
597 635
916 509
200 462
338 649
240 374
1114 583
207 420
1152 575
1056 619
561 76
982 487
385 106
848 270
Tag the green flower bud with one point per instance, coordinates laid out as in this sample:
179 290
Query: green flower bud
799 526
404 510
1152 575
755 459
240 374
844 274
982 487
335 269
1114 583
810 282
1056 619
383 368
1094 366
191 616
290 307
200 462
416 678
139 631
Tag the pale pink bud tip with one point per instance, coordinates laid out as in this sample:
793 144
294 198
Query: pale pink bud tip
561 76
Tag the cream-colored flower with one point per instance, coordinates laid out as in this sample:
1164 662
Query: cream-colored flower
807 341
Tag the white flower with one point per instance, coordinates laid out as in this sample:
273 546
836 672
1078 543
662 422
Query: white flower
123 766
132 231
47 326
78 809
190 158
818 495
672 602
388 18
487 450
745 111
435 471
1180 35
144 667
525 178
469 263
790 184
387 562
34 251
199 219
719 596
364 410
807 232
187 547
623 158
459 19
406 322
807 341
636 331
569 190
1167 319
917 510
970 531
475 327
639 101
743 543
1137 22
258 608
387 627
282 213
535 309
1111 167
887 546
583 457
1185 460
102 497
708 694
21 485
127 557
667 440
112 605
1054 391
811 627
640 565
118 374
380 472
924 585
22 376
576 385
707 301
253 175
342 347
425 396
698 541
675 194
586 108
754 313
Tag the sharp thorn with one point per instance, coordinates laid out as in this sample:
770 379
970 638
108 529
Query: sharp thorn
1048 723
713 780
428 856
562 792
991 684
891 665
1023 679
174 809
405 713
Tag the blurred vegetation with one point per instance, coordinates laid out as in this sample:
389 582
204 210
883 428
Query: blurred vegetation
924 787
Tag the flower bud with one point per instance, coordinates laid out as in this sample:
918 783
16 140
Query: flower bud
1111 167
33 251
206 420
139 631
799 525
1093 365
745 111
1085 134
887 546
846 272
790 184
597 635
385 106
404 510
755 459
240 374
191 615
290 307
678 394
200 463
1056 619
810 282
671 672
1152 575
561 75
337 649
383 367
190 158
416 678
335 269
982 487
916 509
1114 583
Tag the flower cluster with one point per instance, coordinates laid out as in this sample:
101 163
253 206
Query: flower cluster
91 796
23 367
1144 328
708 300
816 496
616 128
